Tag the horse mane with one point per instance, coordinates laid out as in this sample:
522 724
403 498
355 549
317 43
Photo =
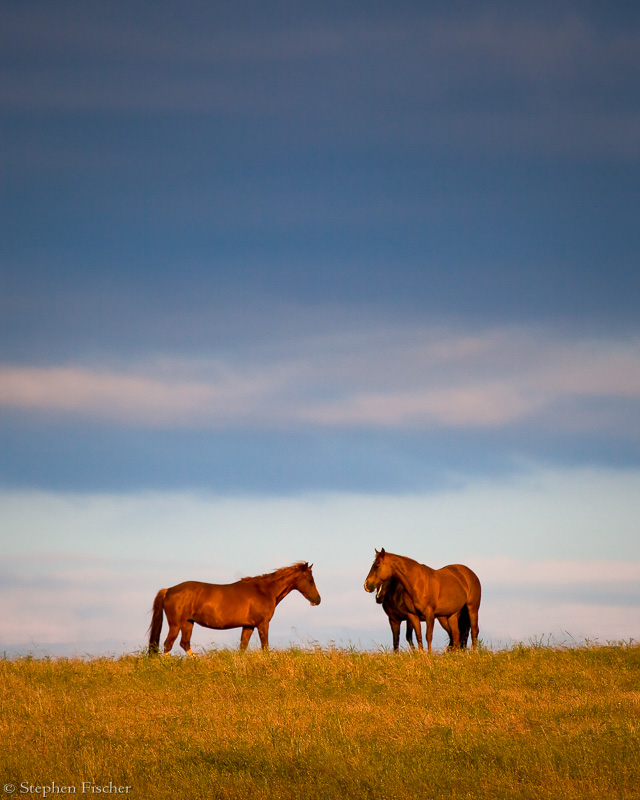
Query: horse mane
279 573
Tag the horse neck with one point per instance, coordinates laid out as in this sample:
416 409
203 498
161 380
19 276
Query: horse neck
404 569
283 584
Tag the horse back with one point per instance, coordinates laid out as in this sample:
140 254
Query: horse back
466 577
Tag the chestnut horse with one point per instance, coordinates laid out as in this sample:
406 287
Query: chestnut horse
248 603
396 604
441 593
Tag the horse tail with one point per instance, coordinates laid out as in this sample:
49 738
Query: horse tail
156 622
464 625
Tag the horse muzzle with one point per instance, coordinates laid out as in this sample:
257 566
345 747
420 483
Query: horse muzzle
369 586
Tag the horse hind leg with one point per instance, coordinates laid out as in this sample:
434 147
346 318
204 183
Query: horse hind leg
247 630
445 624
454 632
473 624
409 635
174 630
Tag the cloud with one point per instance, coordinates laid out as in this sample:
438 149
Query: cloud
77 600
506 571
567 622
142 399
446 80
472 406
401 377
535 515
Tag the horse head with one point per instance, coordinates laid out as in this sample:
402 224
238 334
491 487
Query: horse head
379 573
383 588
306 585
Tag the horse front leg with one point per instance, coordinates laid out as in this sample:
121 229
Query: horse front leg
185 639
394 624
409 636
247 630
413 620
263 633
430 620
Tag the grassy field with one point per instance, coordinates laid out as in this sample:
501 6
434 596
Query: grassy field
530 722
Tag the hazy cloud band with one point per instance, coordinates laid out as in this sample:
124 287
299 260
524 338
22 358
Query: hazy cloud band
411 378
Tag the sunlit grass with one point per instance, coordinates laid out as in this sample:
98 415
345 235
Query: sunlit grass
527 722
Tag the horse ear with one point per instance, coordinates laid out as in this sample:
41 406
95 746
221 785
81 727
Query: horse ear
377 551
309 566
382 553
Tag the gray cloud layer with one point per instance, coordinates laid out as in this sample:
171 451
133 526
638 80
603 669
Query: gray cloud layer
556 82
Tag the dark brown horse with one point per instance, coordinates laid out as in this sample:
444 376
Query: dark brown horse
432 593
397 606
248 604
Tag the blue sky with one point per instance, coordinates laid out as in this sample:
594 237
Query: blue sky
298 281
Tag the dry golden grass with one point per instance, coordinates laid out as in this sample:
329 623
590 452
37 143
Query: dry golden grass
524 723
